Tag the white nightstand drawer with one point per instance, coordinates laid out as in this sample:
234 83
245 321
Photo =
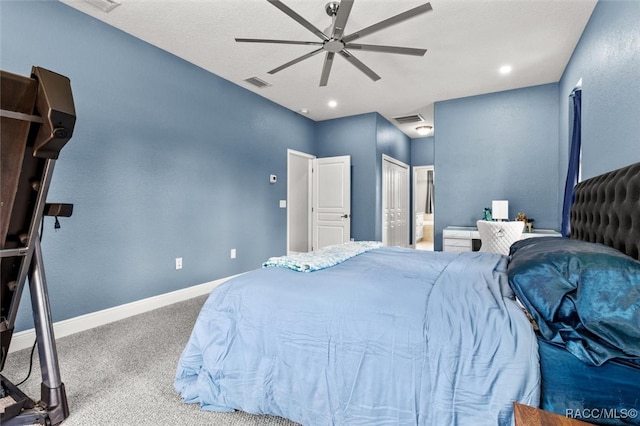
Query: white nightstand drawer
456 249
457 242
457 234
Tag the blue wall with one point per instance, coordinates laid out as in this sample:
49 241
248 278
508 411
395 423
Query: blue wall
167 160
497 146
422 154
394 143
354 136
365 138
422 151
607 59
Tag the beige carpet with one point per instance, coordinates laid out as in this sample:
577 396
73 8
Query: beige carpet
122 373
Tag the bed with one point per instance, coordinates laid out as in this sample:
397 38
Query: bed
367 335
583 295
388 336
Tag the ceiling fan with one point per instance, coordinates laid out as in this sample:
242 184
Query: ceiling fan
334 41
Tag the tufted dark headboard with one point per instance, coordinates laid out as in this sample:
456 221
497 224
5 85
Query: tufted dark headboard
607 210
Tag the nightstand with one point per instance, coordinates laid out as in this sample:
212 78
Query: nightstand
459 238
532 416
467 238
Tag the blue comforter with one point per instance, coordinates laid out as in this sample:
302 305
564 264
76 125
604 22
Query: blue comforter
390 337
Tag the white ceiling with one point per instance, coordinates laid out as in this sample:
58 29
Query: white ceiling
467 41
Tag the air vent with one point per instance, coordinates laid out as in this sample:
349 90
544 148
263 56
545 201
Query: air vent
405 119
257 82
104 5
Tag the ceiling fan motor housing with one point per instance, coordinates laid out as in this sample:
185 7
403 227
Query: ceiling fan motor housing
333 45
332 8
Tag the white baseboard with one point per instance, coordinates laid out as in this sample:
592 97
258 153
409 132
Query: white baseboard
24 339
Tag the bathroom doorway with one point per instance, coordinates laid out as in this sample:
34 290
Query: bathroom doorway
423 207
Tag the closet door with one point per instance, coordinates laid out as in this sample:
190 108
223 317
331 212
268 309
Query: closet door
395 202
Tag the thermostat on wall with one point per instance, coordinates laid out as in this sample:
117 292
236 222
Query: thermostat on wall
273 178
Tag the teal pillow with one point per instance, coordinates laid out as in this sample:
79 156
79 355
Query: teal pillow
585 295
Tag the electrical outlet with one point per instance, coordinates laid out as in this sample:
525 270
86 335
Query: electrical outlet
233 253
178 263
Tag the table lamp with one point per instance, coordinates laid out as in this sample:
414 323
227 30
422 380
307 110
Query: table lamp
500 209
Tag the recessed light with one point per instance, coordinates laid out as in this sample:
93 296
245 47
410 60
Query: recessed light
424 130
332 104
304 111
505 69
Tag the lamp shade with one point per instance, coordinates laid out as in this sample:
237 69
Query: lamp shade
500 209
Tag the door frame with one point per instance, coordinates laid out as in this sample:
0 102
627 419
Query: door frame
414 193
290 206
399 163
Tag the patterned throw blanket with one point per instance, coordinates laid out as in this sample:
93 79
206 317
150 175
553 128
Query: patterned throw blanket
323 258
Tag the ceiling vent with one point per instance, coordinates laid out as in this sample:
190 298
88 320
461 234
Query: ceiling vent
104 5
406 119
259 83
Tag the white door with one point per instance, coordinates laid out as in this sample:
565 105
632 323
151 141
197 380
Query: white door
331 209
395 202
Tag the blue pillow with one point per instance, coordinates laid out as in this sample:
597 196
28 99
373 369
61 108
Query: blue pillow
585 295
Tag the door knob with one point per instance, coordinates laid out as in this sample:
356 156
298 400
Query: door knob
345 216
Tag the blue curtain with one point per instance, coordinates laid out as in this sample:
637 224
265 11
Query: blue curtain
574 163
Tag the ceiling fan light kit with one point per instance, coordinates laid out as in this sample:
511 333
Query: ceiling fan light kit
333 41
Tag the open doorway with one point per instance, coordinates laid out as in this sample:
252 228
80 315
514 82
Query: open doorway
318 200
423 207
299 198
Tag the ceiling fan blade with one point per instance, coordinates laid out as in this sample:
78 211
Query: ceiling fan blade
264 40
387 49
388 22
326 68
362 67
295 61
341 18
299 19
